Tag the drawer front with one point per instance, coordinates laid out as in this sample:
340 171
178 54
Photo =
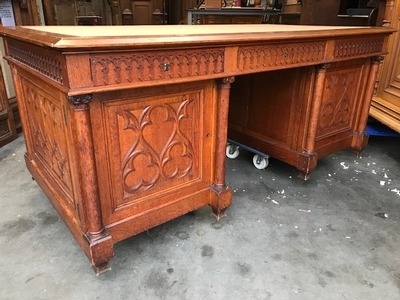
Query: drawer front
358 47
135 67
277 56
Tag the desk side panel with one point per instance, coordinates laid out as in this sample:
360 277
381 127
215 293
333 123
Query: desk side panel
50 154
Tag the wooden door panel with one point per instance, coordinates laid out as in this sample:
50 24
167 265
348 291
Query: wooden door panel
385 105
393 76
7 125
157 140
142 12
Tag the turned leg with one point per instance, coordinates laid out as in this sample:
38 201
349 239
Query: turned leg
308 159
222 197
360 138
99 246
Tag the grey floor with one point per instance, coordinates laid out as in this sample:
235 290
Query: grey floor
336 236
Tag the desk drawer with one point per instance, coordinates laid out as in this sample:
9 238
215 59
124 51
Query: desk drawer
134 67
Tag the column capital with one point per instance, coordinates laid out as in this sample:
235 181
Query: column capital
377 59
80 99
226 80
322 67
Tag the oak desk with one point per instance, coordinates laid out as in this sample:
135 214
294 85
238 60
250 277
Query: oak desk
126 127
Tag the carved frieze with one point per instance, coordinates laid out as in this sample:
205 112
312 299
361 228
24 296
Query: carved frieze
41 60
356 47
270 56
138 67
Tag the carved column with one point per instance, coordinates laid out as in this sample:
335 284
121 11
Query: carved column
308 159
222 130
360 139
100 243
224 194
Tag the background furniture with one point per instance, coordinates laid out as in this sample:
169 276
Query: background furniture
8 131
24 13
385 105
144 12
343 12
124 132
229 15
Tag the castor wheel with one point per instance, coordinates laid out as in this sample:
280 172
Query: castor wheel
260 162
232 151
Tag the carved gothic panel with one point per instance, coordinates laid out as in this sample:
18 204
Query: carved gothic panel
155 144
339 99
137 67
46 124
270 56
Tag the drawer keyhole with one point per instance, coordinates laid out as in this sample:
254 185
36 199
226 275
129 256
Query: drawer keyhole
166 67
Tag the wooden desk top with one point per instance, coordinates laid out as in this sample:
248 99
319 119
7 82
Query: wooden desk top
84 37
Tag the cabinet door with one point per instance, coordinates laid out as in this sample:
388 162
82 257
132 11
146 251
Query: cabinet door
142 12
7 126
154 146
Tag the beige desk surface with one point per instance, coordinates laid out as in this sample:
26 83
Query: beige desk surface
174 30
112 36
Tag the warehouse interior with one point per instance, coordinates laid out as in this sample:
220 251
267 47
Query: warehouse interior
333 236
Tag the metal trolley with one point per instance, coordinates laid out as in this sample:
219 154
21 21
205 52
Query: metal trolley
260 160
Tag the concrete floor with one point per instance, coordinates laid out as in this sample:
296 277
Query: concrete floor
283 238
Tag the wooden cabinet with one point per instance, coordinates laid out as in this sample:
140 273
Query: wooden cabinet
8 131
142 12
309 12
72 12
344 12
126 127
385 105
25 13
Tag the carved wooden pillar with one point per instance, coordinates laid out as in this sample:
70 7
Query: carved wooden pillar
100 243
224 194
308 159
360 139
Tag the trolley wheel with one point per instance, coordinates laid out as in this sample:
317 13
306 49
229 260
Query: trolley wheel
260 162
232 151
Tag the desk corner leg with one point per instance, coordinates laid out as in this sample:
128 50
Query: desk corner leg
306 163
359 143
221 199
101 250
